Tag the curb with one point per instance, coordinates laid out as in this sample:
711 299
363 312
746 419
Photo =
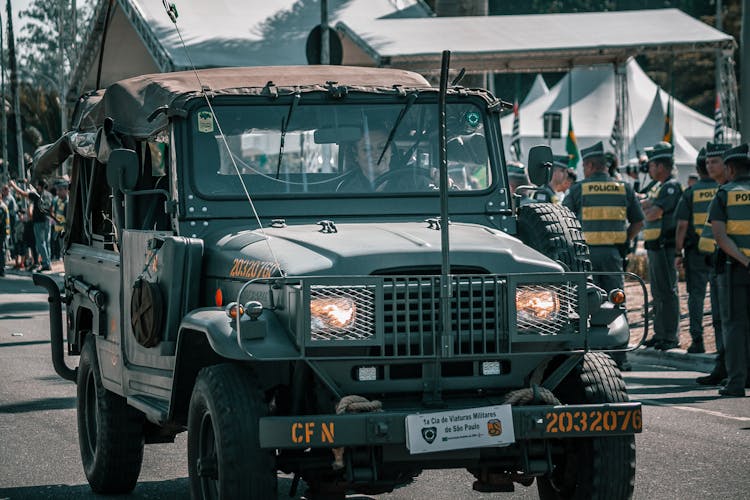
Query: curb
674 358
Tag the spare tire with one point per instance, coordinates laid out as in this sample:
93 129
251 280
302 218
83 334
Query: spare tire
556 232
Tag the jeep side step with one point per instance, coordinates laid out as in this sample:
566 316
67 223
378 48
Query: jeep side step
155 409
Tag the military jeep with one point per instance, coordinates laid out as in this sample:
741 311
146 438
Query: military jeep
219 279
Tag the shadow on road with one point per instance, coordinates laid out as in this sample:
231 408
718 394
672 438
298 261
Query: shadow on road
17 307
39 405
174 488
24 342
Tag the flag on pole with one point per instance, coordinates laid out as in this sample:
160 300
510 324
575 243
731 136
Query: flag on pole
515 138
614 138
571 145
718 121
668 122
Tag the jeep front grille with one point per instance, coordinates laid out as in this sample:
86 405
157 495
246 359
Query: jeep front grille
411 315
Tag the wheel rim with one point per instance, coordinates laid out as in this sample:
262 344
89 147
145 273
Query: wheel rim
206 462
91 414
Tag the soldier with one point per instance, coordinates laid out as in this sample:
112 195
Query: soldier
707 247
659 240
551 192
610 216
691 214
729 215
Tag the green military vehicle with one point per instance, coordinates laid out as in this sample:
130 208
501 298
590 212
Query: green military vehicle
257 256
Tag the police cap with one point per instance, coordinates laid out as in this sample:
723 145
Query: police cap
560 161
597 150
741 152
661 151
516 170
716 148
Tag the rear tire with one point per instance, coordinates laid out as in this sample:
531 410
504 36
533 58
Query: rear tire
224 455
556 232
593 468
110 433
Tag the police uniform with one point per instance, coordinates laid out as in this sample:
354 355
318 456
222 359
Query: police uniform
517 174
545 194
732 206
659 240
693 209
605 207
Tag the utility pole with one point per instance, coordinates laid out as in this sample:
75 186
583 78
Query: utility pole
61 65
325 43
745 74
3 117
15 89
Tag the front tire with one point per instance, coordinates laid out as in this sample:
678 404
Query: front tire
110 433
554 231
592 468
224 455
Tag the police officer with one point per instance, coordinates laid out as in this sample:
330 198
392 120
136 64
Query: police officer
729 215
659 240
610 216
552 191
516 178
691 214
707 247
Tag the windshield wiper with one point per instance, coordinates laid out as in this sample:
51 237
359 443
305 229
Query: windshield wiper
410 99
284 127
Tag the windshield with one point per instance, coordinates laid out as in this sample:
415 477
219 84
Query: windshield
336 149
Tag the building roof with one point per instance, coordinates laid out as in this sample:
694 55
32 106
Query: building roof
543 42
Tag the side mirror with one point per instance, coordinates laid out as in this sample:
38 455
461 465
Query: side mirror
540 165
122 169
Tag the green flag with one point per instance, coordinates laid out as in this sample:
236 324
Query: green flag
571 146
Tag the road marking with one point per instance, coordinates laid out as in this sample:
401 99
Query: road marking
691 408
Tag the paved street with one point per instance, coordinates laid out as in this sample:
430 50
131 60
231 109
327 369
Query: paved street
694 445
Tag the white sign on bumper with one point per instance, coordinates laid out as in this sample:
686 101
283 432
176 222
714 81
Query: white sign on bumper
459 429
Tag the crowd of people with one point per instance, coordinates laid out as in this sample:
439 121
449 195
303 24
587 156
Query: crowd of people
32 219
703 230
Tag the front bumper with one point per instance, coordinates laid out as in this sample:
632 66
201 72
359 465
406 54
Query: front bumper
389 427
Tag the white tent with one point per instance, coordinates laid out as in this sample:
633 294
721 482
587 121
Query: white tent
593 111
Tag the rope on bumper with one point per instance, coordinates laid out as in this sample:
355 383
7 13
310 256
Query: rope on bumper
531 395
352 404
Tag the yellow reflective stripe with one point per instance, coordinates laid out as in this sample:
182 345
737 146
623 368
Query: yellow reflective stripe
603 188
735 198
746 251
651 234
703 195
604 213
738 227
699 218
605 237
706 245
698 230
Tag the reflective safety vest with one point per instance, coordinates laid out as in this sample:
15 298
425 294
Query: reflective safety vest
738 214
59 206
701 200
707 243
652 229
604 212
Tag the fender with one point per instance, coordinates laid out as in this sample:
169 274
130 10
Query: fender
207 337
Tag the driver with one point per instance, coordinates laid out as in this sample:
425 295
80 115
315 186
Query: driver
373 173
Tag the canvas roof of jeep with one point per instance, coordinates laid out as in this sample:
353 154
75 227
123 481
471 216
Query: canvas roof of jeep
131 102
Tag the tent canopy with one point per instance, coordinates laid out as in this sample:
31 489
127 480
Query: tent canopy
531 43
591 103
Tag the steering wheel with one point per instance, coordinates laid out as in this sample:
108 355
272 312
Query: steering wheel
404 179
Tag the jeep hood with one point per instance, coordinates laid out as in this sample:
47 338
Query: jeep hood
368 248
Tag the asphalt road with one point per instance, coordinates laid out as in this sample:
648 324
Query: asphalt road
694 445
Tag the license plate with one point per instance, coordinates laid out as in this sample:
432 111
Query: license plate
598 422
460 429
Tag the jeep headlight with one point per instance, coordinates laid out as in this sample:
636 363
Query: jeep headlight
535 305
332 312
